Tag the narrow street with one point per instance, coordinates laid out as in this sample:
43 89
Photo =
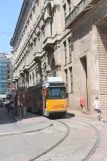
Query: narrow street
53 80
57 140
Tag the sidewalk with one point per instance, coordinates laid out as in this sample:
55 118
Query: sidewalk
31 123
91 115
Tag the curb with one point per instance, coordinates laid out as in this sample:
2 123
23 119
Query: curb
24 132
85 116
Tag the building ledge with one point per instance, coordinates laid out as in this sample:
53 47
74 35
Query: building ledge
16 78
25 68
37 56
48 43
14 81
79 10
42 24
21 72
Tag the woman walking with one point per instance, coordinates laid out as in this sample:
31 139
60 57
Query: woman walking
82 104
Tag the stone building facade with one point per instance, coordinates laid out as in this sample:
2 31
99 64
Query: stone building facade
63 38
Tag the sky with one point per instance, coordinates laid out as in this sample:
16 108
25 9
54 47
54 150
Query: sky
9 13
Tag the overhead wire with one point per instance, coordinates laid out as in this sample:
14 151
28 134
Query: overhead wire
5 33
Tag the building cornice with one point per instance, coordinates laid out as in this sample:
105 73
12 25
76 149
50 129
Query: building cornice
25 2
32 29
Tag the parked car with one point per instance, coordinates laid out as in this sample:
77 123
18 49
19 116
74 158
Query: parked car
2 99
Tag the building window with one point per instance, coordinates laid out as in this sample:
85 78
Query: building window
71 79
65 52
64 8
69 5
43 33
51 28
70 49
33 78
66 77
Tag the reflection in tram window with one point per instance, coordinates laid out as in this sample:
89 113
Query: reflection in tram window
56 93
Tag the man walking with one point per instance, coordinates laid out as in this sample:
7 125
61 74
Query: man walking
97 107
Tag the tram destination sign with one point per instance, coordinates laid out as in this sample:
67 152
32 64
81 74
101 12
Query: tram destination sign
54 79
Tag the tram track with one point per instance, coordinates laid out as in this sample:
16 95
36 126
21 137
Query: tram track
90 153
92 150
56 144
63 134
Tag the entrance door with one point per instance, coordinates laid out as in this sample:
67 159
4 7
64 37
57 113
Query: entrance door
84 91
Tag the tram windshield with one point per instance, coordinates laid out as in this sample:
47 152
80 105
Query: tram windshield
56 93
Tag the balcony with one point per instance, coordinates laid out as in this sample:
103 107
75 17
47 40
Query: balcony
48 44
14 81
83 7
34 37
37 56
9 80
25 68
42 24
21 72
16 78
47 2
37 31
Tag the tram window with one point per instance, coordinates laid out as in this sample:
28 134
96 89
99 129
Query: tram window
56 93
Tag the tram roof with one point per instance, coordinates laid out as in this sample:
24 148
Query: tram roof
44 82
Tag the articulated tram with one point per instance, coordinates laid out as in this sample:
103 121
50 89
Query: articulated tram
48 97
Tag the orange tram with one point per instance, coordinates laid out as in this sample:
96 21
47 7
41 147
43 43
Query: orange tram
47 98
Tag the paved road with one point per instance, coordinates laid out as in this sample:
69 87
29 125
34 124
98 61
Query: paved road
79 142
4 118
72 148
25 146
75 147
7 124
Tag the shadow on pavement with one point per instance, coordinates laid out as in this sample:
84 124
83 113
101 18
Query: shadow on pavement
67 116
5 118
32 115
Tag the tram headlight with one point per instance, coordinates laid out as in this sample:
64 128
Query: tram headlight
65 106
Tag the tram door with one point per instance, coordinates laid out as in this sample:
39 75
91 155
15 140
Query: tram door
40 101
44 93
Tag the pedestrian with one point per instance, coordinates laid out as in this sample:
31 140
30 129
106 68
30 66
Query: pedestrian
97 107
7 103
82 104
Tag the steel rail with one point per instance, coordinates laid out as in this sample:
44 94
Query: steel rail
92 151
55 145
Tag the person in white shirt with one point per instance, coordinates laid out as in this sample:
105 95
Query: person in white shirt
97 107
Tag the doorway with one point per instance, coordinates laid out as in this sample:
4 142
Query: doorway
84 78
